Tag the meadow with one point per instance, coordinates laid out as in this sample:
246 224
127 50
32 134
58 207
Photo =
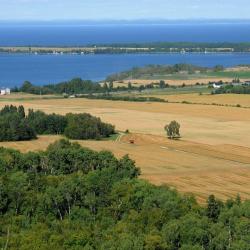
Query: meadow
213 155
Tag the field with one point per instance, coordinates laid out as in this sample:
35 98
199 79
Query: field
213 155
177 79
207 98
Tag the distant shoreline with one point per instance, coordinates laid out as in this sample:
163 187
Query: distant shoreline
108 53
165 47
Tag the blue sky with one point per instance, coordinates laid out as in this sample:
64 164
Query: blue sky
123 9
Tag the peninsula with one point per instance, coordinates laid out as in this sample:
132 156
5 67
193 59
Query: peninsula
163 47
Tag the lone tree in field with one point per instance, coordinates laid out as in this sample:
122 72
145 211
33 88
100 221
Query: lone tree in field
173 130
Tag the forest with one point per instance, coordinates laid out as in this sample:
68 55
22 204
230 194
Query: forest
69 197
16 125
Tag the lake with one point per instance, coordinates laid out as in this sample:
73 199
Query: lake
44 69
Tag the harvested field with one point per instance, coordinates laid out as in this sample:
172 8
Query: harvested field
222 99
213 155
190 167
174 82
199 123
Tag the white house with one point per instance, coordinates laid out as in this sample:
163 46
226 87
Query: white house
5 91
217 85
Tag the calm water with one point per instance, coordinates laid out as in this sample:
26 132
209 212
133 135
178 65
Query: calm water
11 35
43 69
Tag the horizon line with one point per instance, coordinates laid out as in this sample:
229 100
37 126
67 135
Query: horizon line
161 20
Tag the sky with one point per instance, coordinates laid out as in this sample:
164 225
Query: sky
123 9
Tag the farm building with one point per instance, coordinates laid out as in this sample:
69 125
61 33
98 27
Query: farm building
217 85
5 91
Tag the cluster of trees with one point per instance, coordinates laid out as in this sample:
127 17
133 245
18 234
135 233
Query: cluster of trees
85 126
240 89
74 86
79 86
72 198
15 125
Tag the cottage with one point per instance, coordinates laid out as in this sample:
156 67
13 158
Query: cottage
5 91
217 85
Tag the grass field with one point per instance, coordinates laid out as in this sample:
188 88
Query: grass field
213 155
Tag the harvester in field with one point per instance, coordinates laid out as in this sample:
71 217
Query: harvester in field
131 141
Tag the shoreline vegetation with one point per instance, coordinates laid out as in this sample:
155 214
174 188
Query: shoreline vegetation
161 47
219 80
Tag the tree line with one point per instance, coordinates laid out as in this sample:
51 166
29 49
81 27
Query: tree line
190 46
227 89
74 86
124 98
71 198
16 125
150 70
78 86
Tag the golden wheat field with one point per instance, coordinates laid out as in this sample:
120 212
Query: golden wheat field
213 155
207 98
172 82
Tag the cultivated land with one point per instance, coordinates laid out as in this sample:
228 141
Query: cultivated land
207 98
173 82
183 77
213 155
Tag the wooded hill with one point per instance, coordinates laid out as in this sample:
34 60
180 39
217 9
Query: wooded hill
72 198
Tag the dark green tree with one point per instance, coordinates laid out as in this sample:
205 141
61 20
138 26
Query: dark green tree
213 208
173 130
